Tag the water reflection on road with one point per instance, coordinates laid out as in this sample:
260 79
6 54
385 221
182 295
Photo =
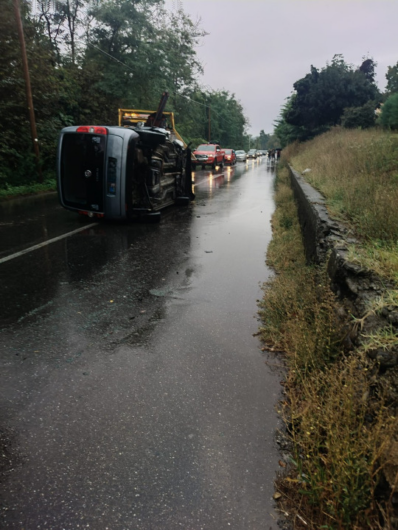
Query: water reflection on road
134 393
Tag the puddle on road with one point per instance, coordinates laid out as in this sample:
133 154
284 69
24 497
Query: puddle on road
161 292
203 374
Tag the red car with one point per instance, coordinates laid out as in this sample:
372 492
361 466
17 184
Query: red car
208 155
230 157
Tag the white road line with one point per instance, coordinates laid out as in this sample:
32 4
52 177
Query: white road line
48 242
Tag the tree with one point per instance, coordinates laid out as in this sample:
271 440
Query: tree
228 122
16 159
359 117
263 140
218 111
286 132
64 22
367 68
141 50
389 113
392 79
273 142
89 59
322 95
123 46
178 36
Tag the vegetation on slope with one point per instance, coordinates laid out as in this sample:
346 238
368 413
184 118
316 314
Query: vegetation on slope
342 432
357 172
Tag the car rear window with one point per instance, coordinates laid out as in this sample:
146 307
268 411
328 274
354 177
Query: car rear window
82 155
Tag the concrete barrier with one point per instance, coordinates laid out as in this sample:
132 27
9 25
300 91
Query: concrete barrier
316 226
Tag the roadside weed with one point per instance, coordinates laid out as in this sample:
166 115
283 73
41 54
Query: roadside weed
379 256
343 434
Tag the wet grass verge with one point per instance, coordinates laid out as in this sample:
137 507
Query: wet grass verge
11 192
343 433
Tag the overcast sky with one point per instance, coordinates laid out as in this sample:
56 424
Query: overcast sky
257 49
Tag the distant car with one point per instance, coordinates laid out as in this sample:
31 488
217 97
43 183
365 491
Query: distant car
230 157
241 156
259 153
252 153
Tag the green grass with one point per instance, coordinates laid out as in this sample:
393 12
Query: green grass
357 172
15 191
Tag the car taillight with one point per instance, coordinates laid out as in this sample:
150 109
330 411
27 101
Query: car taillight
91 214
92 129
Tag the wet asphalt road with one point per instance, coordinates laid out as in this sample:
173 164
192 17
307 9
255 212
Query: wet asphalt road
134 394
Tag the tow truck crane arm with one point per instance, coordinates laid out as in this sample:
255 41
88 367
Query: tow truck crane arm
157 119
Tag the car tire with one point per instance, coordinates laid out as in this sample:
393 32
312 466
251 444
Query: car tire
203 166
214 164
182 201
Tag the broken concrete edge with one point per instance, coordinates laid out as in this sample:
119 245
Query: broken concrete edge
325 241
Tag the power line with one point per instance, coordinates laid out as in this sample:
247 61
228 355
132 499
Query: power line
107 54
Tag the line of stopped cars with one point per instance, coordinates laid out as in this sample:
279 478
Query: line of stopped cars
213 155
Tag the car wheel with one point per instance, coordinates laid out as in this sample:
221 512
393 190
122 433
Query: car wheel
222 163
182 201
213 166
203 166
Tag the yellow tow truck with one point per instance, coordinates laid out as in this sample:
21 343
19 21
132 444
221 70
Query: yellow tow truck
135 117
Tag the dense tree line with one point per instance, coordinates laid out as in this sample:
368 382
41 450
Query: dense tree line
264 141
338 94
86 60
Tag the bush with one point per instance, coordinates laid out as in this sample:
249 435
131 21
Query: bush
359 117
389 113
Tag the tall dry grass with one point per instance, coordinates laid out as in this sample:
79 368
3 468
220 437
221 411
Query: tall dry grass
341 431
357 172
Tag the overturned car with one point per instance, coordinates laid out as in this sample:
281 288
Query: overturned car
120 172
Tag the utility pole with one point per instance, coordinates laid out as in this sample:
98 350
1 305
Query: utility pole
28 88
209 126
